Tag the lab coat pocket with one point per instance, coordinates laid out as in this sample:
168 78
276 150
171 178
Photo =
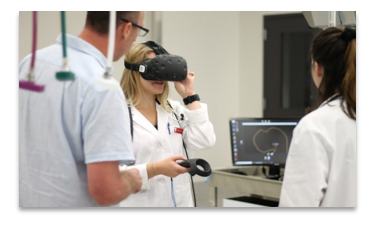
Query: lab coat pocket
139 199
182 191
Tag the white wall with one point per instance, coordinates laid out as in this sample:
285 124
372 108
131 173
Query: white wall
224 49
211 47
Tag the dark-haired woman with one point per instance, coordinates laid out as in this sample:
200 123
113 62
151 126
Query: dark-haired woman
321 169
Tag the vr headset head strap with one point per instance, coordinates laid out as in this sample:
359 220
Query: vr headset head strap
156 47
135 67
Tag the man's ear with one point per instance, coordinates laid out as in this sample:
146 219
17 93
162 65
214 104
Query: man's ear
125 29
318 69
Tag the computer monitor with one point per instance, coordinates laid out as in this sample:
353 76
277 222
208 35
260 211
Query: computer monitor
261 141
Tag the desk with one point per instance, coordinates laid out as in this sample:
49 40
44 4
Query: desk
255 183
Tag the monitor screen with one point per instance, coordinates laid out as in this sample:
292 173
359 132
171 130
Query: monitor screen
258 141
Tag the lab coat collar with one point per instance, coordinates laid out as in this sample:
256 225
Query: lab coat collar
143 122
83 46
330 98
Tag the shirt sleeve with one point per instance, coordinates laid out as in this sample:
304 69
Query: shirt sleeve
198 131
306 171
106 127
142 171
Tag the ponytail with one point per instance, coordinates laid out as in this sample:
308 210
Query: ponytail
348 85
335 49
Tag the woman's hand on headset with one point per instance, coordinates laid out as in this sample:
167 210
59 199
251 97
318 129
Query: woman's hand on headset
185 87
169 167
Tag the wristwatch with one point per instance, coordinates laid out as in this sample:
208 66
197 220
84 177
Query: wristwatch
191 99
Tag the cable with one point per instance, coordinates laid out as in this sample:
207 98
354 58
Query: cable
187 156
29 83
166 113
34 41
264 171
63 31
31 75
107 82
65 73
172 192
131 120
192 182
111 39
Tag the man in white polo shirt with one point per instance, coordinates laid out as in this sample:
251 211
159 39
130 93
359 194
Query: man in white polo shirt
74 135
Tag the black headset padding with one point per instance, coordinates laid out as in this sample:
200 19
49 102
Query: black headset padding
161 63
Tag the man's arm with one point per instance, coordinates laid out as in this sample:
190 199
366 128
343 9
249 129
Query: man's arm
108 186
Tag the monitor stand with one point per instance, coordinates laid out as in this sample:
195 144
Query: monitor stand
274 172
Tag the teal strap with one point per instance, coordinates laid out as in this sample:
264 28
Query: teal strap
63 32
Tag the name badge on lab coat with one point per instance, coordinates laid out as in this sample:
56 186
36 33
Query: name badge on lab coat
178 130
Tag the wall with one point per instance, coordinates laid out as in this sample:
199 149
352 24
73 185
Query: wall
211 47
49 28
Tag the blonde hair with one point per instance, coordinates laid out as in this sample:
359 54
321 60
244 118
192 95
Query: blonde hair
131 83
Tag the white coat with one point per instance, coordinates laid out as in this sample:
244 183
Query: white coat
152 145
321 168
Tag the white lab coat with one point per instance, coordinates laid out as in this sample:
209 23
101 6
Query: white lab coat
152 145
321 168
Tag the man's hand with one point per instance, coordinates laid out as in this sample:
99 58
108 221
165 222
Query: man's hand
134 179
108 186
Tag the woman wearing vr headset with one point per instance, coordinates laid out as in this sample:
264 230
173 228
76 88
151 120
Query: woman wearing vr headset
161 128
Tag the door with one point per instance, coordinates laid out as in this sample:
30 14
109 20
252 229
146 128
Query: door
288 87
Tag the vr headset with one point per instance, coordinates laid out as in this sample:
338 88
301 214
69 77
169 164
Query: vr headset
164 66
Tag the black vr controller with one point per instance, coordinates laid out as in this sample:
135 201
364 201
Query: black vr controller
193 163
164 66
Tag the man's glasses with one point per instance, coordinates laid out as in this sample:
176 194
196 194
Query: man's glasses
142 32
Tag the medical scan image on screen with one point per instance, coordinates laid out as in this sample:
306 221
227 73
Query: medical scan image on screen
260 142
